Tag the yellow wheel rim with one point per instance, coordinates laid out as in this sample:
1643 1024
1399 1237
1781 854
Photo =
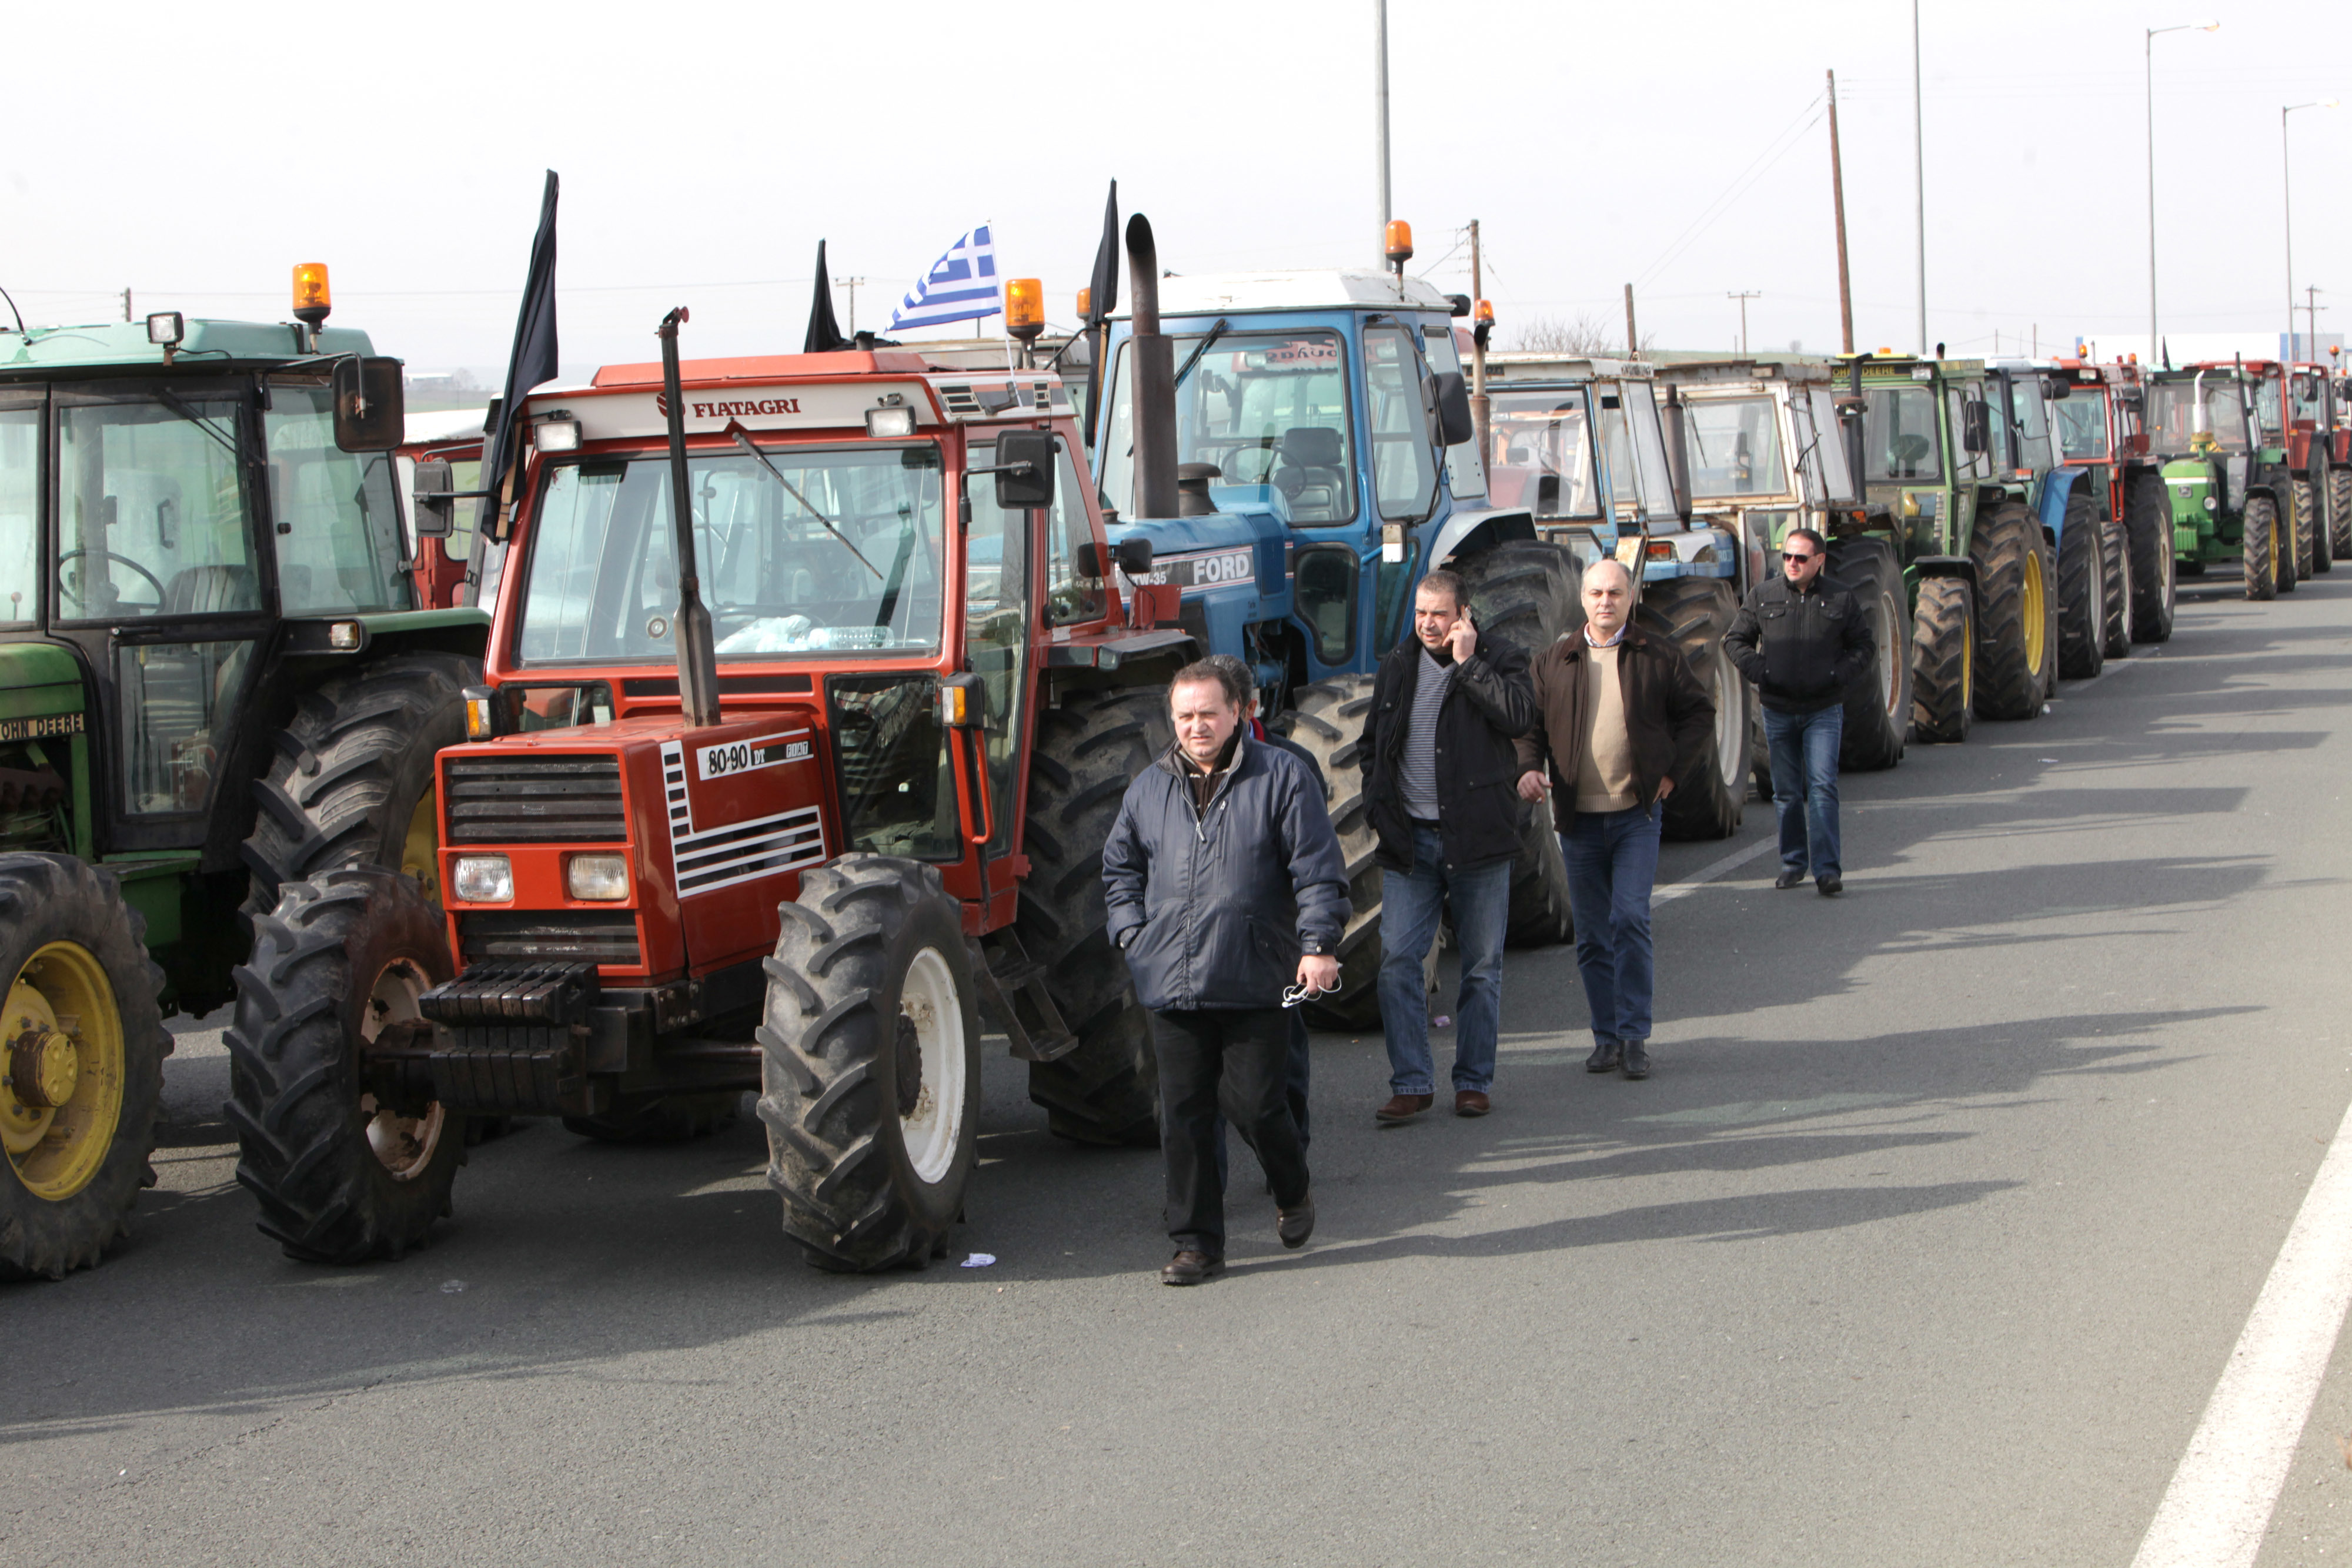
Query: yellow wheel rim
2035 608
62 1059
420 851
1969 668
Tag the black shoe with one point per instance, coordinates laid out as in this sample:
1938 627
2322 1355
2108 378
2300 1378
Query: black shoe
1788 879
1191 1269
1831 886
1637 1059
1297 1223
1604 1058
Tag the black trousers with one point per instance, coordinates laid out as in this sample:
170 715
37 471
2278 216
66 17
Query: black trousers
1236 1062
1295 1083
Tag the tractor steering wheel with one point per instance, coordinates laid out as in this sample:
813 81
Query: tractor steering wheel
76 594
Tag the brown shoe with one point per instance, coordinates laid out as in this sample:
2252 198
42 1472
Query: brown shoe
1191 1269
1404 1108
1470 1102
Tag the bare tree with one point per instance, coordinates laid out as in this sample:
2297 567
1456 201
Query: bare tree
1588 335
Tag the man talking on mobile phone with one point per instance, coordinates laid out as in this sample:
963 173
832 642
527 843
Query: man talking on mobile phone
1438 767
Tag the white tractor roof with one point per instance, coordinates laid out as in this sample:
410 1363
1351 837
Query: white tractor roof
1221 293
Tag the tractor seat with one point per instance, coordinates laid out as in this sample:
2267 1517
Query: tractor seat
1308 473
211 590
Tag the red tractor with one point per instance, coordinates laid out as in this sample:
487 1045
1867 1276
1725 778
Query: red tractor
791 820
2319 450
2101 425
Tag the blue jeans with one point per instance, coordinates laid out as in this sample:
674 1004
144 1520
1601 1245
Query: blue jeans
1804 786
1613 861
1410 904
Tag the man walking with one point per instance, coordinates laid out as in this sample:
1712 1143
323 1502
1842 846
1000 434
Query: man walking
1802 642
1438 761
1224 884
1619 717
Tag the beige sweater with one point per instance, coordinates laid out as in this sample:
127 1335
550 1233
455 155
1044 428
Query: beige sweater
1605 773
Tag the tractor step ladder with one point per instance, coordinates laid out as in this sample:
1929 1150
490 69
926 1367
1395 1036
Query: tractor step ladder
1014 990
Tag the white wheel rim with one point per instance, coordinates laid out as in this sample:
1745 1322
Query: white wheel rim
1890 671
1730 720
930 1132
405 1144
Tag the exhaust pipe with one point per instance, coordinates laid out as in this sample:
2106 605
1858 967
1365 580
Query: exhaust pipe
1850 422
698 656
1154 385
1678 451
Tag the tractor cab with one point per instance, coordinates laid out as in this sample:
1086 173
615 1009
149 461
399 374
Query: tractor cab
1580 443
2218 430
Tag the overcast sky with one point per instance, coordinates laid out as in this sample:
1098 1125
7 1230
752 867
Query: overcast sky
194 153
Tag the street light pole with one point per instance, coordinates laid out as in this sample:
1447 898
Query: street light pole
2149 66
2287 189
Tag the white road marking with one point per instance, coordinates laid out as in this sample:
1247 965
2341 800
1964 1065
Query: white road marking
1709 872
2217 1509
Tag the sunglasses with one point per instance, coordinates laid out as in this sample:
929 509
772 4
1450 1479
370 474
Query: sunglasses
1795 555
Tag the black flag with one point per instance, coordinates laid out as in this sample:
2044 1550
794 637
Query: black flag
823 332
530 362
1102 299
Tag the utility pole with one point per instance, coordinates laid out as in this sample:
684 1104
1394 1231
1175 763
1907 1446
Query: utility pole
126 305
1919 176
1480 404
1837 199
851 284
1743 296
1633 338
1380 123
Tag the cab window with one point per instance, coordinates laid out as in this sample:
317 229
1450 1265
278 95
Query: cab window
337 528
20 514
151 510
1403 476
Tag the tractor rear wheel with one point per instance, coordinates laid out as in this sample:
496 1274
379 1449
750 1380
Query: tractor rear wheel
2306 527
1943 661
1539 914
1694 612
869 1059
2147 518
2258 548
2323 522
1106 1090
83 1048
659 1118
351 782
2115 638
2082 591
342 1176
2339 514
2013 606
1878 708
1326 719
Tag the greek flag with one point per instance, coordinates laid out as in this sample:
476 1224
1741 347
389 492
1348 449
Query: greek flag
961 286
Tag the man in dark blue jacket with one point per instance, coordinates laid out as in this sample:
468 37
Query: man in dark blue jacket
1224 884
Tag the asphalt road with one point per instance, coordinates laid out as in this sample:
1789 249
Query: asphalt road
1927 1244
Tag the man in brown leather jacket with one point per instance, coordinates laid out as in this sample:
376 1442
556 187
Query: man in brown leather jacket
1618 717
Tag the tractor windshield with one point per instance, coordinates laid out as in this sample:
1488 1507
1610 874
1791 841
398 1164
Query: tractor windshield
843 555
338 534
1543 453
2169 407
2081 425
1899 434
1268 408
1734 447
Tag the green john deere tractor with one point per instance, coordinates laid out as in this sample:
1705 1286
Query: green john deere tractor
215 676
2216 428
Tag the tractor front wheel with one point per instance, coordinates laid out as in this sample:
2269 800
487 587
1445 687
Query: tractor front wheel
1694 612
1943 661
1327 719
869 1059
2305 503
2323 521
1878 707
2082 591
82 1049
342 1175
2155 584
2339 514
2115 638
2258 548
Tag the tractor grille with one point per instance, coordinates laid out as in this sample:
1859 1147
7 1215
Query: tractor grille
547 935
535 800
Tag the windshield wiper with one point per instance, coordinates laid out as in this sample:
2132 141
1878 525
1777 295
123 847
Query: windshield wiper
1193 358
742 438
187 411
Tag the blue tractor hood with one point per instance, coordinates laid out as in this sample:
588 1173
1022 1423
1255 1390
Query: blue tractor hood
1232 566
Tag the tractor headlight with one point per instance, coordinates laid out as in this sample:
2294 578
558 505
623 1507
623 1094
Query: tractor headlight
485 879
602 878
2208 503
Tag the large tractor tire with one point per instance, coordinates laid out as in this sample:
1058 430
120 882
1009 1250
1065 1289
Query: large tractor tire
83 1047
351 782
2306 528
1694 612
1106 1090
2259 549
2115 638
1943 661
869 1067
1525 594
342 1176
2013 613
1327 719
2155 578
2339 514
2316 497
1878 708
659 1118
2082 591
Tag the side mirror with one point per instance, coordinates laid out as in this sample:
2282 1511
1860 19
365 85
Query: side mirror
2056 387
1976 426
370 412
1025 464
1452 394
436 510
1133 555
